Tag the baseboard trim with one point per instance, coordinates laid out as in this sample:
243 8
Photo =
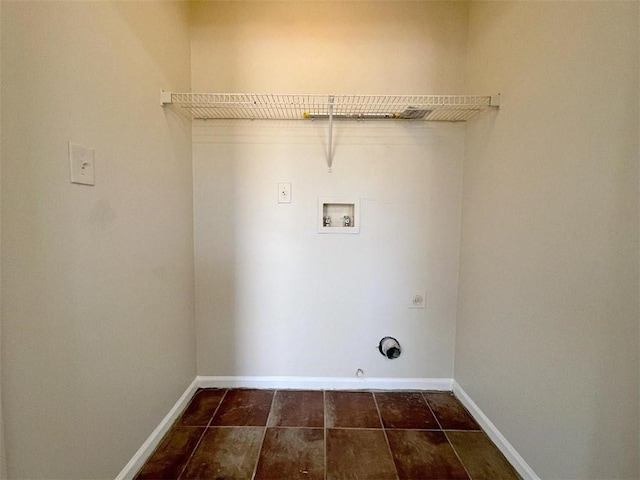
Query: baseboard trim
327 383
510 453
293 383
150 444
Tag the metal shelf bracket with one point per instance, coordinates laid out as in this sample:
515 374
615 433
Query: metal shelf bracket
330 142
436 108
165 98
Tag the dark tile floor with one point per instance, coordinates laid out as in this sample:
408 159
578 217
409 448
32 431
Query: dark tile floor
316 435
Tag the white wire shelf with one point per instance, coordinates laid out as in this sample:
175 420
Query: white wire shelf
252 106
447 108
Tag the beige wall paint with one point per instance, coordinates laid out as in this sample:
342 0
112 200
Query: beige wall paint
547 335
273 296
329 47
96 290
98 337
3 462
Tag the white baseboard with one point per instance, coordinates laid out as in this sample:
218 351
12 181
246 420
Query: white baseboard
327 383
147 448
293 383
510 453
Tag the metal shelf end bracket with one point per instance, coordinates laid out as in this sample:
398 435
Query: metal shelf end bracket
165 98
330 142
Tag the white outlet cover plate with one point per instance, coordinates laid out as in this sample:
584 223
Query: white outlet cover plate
418 300
82 164
284 192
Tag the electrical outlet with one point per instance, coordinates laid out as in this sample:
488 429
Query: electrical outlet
284 192
418 300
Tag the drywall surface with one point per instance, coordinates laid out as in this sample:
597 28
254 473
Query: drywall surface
275 297
547 333
329 47
3 462
98 336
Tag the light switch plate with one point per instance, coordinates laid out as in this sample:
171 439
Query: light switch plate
82 164
284 192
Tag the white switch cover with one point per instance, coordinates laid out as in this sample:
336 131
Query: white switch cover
82 162
284 192
418 300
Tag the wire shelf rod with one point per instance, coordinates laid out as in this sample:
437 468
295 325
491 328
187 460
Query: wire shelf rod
256 106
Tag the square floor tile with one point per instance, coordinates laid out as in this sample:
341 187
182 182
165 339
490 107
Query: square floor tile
172 454
358 454
481 457
226 453
201 408
405 410
297 409
292 453
450 412
329 435
424 455
351 410
244 408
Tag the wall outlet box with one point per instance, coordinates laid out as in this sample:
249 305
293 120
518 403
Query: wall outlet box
338 215
418 300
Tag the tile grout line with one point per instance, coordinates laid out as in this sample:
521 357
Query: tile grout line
264 434
217 408
374 429
426 400
169 431
384 431
456 452
446 436
203 432
272 414
284 427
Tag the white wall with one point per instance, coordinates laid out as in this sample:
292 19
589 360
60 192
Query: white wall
547 335
98 337
3 462
276 298
273 296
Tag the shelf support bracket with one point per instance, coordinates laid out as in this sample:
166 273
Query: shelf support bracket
165 98
330 141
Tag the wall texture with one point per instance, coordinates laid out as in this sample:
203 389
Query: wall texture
273 296
398 47
97 294
547 335
98 336
3 462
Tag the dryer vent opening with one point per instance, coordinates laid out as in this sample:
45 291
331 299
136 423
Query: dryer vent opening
389 347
